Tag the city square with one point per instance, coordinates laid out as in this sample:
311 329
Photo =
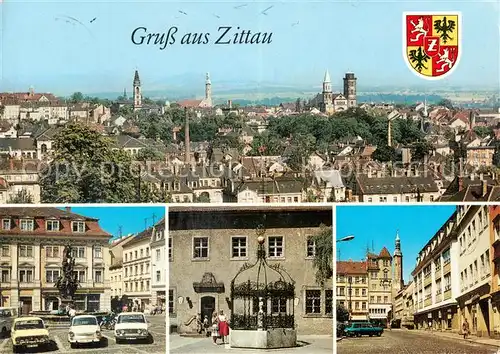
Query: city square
59 341
412 342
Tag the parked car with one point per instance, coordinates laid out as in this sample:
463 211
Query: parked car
131 326
84 329
7 316
29 332
363 329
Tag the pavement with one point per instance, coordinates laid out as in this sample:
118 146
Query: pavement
414 342
306 344
60 344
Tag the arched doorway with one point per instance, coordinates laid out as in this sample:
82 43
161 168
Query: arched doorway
207 307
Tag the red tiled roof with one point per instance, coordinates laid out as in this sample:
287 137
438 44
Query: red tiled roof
384 253
189 103
351 267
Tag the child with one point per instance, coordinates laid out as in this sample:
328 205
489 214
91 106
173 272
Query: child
215 330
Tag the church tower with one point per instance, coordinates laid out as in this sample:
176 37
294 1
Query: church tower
398 281
327 94
208 90
137 91
350 89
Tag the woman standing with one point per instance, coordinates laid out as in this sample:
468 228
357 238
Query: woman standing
223 326
215 328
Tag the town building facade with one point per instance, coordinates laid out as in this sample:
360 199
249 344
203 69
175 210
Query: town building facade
159 255
380 284
436 280
32 244
208 245
352 289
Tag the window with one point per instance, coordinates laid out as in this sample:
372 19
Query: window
311 247
238 246
382 199
275 248
93 302
6 224
98 276
170 301
78 252
142 253
97 252
394 199
27 225
5 251
78 226
52 251
200 247
158 276
26 275
386 299
255 305
363 292
80 275
313 301
329 302
26 251
446 256
278 305
170 248
147 251
5 276
52 225
51 275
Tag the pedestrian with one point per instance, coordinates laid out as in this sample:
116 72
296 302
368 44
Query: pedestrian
223 326
465 329
205 325
72 312
215 328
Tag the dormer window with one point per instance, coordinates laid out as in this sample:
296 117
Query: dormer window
6 224
27 225
78 226
52 225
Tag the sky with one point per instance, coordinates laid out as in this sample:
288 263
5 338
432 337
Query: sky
54 47
379 224
130 218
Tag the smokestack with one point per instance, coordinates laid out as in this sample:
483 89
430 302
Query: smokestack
187 147
484 184
230 104
460 183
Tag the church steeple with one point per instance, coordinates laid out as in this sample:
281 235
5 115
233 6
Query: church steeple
137 91
208 87
398 282
327 83
397 251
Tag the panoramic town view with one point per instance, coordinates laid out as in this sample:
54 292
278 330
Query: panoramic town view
279 130
251 279
83 279
444 302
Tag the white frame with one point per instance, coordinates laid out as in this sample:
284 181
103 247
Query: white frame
268 243
26 220
208 249
75 223
51 221
6 220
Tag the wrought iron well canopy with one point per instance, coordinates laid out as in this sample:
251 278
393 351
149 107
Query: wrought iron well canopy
262 295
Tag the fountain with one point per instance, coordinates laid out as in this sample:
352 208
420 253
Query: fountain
262 304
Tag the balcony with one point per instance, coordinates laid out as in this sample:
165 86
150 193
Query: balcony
428 302
447 295
447 268
427 280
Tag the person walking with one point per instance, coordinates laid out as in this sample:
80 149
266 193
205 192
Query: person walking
465 329
223 326
215 328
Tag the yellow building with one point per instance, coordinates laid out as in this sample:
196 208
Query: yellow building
352 288
32 241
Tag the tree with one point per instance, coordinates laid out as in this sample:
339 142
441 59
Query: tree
420 149
21 197
342 314
446 103
202 198
76 97
86 169
483 131
150 154
384 153
323 259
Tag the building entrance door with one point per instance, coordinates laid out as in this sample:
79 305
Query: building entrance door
483 305
26 305
207 307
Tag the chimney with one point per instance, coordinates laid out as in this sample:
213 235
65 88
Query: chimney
460 183
68 209
11 162
484 185
230 104
187 147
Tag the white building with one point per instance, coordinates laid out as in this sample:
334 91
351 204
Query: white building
474 268
158 264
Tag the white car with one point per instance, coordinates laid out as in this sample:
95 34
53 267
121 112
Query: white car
84 329
131 326
7 316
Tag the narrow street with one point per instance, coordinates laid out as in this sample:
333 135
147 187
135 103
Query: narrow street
410 342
